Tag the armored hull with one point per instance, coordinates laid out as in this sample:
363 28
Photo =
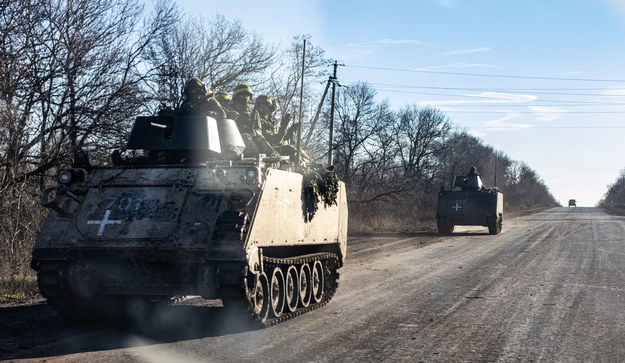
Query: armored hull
469 203
235 229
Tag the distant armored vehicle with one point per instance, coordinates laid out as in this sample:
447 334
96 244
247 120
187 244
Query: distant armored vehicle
469 203
572 203
195 215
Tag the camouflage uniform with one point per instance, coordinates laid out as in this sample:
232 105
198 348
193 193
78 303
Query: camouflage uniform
199 99
225 100
247 119
275 132
265 107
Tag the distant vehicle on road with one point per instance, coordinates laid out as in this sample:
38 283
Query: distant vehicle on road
572 203
469 203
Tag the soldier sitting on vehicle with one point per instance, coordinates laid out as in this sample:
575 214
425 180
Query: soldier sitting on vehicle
471 181
248 122
247 119
199 99
224 100
276 133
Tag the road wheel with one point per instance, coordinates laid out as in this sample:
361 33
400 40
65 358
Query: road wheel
305 285
317 282
277 292
292 288
260 297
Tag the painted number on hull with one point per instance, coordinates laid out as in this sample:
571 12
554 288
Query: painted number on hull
124 203
118 210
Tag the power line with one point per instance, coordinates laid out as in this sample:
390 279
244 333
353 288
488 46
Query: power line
535 112
524 90
486 98
491 75
542 127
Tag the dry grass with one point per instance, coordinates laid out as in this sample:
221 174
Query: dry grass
14 290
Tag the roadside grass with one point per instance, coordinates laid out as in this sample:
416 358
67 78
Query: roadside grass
15 290
617 211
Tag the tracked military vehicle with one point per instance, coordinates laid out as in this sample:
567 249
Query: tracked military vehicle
469 203
194 215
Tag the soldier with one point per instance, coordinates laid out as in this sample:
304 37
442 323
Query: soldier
247 119
222 97
199 99
224 100
275 132
284 123
266 108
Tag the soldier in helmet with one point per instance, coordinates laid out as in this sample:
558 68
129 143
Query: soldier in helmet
199 99
275 132
266 108
247 119
224 100
223 97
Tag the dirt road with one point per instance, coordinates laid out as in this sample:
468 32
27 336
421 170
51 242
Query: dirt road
550 287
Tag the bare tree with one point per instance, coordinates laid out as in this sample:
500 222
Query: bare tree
358 119
220 52
420 134
69 80
615 195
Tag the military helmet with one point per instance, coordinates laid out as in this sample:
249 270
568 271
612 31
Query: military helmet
222 96
264 100
194 87
242 89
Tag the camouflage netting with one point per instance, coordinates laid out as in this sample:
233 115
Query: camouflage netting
318 184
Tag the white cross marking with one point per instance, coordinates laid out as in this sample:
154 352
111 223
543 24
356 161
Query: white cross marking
284 201
457 206
104 222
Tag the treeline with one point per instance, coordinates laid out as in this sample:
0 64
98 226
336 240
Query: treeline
395 162
74 75
614 198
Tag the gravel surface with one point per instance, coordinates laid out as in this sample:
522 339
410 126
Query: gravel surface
550 287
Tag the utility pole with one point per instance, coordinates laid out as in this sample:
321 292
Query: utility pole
334 81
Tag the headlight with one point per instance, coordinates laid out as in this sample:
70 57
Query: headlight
65 177
250 173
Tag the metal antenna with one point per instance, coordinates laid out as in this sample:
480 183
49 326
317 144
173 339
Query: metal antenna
301 102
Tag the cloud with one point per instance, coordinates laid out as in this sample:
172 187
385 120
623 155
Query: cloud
499 97
362 50
614 92
486 98
386 43
476 133
545 113
504 124
467 51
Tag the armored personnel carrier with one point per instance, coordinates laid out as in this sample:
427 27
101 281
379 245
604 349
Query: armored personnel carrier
194 215
469 203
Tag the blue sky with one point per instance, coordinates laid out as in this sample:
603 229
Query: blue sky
543 81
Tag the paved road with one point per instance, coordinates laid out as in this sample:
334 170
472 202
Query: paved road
550 287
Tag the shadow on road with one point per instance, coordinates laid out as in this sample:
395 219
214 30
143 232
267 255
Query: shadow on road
37 331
